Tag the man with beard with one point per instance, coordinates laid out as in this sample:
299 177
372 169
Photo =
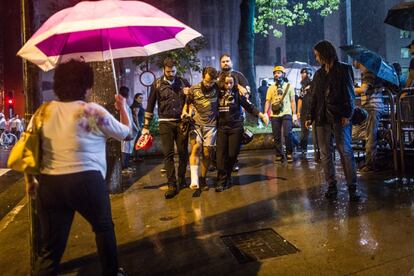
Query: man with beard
168 92
203 99
227 66
280 98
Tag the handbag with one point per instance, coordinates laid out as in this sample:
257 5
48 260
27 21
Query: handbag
277 106
25 155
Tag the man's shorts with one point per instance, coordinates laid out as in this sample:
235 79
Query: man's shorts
203 135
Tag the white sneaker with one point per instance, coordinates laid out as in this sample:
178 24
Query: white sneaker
194 186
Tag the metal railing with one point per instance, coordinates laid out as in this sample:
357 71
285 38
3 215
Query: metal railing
405 122
388 124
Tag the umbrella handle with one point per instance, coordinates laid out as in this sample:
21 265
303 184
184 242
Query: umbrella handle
113 67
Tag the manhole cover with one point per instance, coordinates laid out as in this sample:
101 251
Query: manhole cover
258 245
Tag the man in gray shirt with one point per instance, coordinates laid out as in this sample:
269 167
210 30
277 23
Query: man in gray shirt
203 100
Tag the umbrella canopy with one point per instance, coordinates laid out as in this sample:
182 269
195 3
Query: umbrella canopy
373 62
293 72
401 16
103 30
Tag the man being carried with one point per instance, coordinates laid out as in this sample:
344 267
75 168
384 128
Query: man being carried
203 99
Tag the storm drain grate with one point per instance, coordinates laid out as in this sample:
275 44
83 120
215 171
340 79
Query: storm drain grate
258 245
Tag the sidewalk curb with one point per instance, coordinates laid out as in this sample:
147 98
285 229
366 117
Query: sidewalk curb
11 191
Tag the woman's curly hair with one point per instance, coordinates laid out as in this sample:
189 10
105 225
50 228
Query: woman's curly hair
72 79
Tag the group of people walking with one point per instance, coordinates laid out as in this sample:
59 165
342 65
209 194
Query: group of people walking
211 111
207 114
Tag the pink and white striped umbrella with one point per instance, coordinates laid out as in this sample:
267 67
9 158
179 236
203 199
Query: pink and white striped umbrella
103 30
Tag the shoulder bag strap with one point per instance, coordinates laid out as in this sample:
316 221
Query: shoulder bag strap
38 118
286 90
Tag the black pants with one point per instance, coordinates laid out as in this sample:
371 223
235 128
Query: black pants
278 123
228 148
125 160
304 136
59 196
170 132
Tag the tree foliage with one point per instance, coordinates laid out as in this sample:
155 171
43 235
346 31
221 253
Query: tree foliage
271 13
186 57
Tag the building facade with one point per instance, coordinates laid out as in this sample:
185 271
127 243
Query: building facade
219 23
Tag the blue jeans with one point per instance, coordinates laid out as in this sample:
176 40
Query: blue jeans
278 123
342 135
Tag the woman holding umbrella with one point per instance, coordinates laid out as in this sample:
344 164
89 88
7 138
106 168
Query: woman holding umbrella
73 167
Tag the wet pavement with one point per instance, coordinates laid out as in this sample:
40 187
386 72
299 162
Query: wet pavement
182 236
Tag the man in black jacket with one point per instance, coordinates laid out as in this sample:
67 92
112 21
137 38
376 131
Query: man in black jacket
332 108
168 93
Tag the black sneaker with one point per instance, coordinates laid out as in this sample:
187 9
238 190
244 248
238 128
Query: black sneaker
182 184
236 168
290 158
317 156
332 192
354 195
219 188
197 193
203 183
172 191
212 168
